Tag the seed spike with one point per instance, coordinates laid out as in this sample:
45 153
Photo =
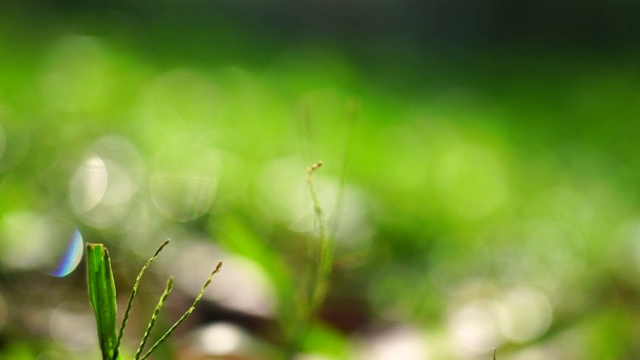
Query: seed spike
313 167
154 316
185 315
127 311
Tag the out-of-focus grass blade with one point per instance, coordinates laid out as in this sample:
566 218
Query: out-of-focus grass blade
102 292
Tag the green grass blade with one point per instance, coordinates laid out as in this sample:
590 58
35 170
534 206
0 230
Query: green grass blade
152 322
317 282
185 315
102 293
127 311
325 251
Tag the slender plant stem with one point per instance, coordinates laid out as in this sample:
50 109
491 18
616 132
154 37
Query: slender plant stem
154 316
319 276
318 281
185 315
127 311
324 250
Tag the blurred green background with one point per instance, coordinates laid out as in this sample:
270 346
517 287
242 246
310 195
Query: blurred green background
480 174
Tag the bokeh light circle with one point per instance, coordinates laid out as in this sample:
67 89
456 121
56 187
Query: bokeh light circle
90 183
103 186
525 313
72 326
183 185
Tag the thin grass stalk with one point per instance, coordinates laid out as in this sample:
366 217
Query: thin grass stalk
318 281
318 278
325 252
185 315
127 311
154 316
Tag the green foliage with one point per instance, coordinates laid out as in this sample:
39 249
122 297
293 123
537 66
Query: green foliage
102 292
473 180
103 300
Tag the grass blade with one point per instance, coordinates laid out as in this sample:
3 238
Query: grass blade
318 277
325 251
127 311
102 293
185 315
154 316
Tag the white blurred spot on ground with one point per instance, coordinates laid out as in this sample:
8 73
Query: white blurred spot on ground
225 341
524 314
474 327
73 326
402 342
241 285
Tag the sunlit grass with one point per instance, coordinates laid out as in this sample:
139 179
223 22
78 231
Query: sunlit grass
476 182
102 294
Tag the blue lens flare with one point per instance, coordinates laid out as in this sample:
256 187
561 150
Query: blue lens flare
72 256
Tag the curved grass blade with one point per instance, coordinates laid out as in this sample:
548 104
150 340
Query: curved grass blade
185 315
102 293
154 316
127 311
